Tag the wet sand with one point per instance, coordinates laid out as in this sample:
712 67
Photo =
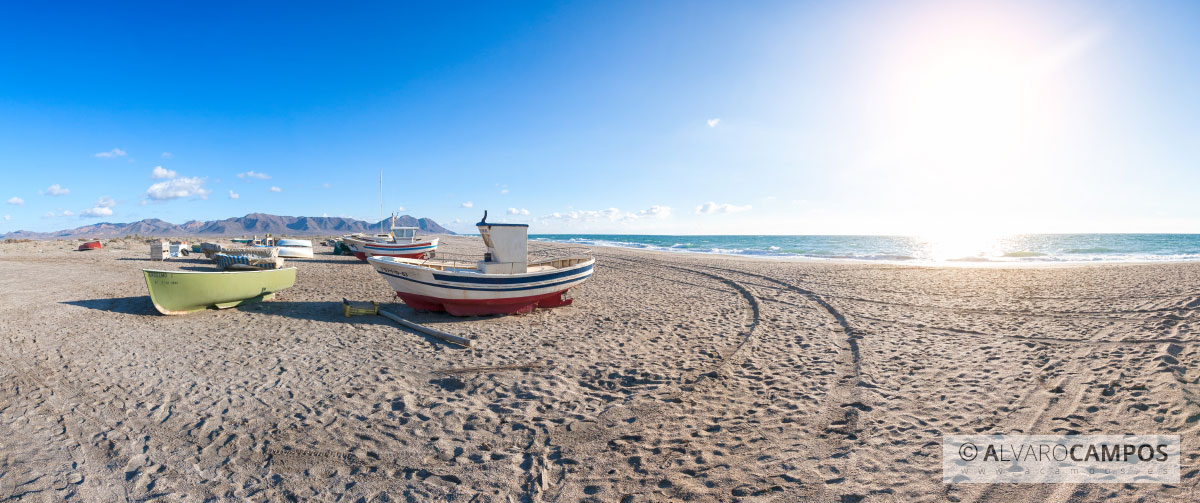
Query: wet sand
672 377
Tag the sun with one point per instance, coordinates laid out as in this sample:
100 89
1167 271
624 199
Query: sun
969 117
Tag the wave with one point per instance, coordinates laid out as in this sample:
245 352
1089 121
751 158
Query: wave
899 249
1097 249
1024 254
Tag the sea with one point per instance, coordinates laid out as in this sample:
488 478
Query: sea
1018 248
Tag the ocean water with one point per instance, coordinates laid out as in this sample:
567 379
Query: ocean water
1020 248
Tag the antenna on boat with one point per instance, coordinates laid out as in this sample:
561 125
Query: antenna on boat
381 200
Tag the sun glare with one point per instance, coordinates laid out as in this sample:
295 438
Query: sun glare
971 112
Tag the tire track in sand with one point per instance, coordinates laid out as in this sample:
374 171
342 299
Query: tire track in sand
838 421
842 407
628 423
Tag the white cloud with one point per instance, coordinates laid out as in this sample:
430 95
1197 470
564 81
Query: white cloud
400 208
326 185
503 191
67 213
98 211
467 204
143 202
711 207
56 190
49 214
275 189
116 152
234 195
159 173
518 211
252 174
16 201
166 155
655 211
713 122
610 214
102 208
7 217
178 188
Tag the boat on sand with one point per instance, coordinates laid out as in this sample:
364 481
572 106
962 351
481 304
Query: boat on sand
182 292
404 243
506 281
90 245
227 262
294 248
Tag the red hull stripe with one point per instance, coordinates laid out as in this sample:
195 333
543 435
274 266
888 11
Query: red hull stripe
484 306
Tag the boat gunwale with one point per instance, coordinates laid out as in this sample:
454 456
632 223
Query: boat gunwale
476 271
528 277
218 272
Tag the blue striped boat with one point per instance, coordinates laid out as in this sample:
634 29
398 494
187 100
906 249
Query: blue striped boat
249 262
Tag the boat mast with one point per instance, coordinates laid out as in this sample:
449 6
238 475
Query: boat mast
381 200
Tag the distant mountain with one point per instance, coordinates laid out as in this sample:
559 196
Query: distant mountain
254 223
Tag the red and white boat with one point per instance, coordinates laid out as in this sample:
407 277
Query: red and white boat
400 242
504 282
90 245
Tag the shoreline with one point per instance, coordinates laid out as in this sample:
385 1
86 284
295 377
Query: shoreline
887 262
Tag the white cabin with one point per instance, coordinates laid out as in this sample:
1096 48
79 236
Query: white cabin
506 247
404 234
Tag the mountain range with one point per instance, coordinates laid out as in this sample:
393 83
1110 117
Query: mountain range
254 223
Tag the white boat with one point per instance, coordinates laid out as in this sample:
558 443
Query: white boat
293 248
504 282
399 242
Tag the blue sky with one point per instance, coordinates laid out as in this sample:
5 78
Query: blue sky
610 117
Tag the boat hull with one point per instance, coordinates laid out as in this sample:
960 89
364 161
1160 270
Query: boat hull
182 292
296 251
471 294
91 245
483 307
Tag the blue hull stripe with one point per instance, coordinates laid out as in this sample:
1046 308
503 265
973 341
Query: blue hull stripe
484 280
515 289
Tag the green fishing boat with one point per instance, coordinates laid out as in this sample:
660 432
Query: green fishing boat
182 292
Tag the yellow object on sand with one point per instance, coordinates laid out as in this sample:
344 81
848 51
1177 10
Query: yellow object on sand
359 308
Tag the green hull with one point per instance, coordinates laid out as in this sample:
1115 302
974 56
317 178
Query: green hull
182 292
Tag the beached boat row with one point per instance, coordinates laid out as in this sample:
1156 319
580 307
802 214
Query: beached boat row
505 281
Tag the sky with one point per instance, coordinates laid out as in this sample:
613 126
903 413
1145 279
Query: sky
636 117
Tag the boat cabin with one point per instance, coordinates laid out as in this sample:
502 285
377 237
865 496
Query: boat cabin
506 247
405 234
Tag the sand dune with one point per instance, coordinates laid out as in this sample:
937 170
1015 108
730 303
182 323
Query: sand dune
672 377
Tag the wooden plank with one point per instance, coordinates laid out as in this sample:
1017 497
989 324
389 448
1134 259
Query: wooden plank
453 339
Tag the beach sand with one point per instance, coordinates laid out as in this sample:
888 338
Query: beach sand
672 377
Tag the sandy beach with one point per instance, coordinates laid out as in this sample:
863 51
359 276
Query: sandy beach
672 377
